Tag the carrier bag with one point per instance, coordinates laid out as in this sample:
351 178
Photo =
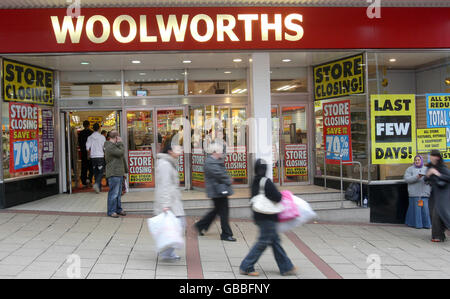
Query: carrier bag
166 230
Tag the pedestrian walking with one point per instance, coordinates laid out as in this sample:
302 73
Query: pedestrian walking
94 145
438 176
266 223
167 192
218 188
86 166
418 214
116 167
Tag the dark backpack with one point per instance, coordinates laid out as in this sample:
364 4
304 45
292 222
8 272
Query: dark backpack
353 192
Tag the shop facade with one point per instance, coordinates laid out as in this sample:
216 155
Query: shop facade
301 87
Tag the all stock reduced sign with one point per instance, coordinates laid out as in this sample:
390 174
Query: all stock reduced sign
393 128
337 131
438 116
24 136
339 78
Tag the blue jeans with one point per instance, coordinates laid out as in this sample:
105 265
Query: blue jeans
98 166
418 217
114 195
268 237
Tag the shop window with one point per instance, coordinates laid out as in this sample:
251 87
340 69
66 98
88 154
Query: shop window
154 83
357 138
416 74
288 80
28 143
217 81
90 84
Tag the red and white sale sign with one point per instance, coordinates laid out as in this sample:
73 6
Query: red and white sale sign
236 161
337 135
141 168
23 137
296 159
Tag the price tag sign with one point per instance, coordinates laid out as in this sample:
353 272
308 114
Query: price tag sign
25 154
338 144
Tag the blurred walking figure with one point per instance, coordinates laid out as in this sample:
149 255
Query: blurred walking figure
418 214
94 145
167 192
218 188
268 235
116 167
438 176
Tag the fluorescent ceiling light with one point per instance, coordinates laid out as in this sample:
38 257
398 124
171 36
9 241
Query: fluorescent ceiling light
286 87
85 62
187 61
392 60
142 74
286 60
227 72
237 60
135 61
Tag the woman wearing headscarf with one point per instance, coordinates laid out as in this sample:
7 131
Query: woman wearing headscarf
418 214
438 176
268 235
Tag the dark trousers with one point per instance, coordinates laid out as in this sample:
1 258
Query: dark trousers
220 208
86 169
98 166
437 226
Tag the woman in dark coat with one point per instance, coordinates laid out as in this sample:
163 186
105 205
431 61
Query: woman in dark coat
438 176
267 227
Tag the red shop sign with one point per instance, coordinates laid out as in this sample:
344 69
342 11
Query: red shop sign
221 28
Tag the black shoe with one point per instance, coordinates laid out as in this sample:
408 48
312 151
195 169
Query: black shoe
199 230
231 239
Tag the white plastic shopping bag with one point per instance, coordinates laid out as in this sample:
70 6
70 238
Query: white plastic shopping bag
306 215
167 231
306 212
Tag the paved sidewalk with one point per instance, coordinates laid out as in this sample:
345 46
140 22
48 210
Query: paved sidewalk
37 245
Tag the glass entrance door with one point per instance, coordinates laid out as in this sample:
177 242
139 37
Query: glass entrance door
219 124
294 144
169 129
141 148
79 126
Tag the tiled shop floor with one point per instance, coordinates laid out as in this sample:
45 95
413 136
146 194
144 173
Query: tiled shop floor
40 245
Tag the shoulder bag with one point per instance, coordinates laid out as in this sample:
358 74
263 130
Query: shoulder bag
263 205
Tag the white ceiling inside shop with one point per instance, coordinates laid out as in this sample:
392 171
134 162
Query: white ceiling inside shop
160 3
160 61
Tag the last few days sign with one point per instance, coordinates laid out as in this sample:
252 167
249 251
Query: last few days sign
393 129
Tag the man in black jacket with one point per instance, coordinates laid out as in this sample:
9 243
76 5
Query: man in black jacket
218 188
86 166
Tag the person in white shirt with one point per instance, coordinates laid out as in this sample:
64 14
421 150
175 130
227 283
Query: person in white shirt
94 145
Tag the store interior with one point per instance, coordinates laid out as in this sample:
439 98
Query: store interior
108 121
